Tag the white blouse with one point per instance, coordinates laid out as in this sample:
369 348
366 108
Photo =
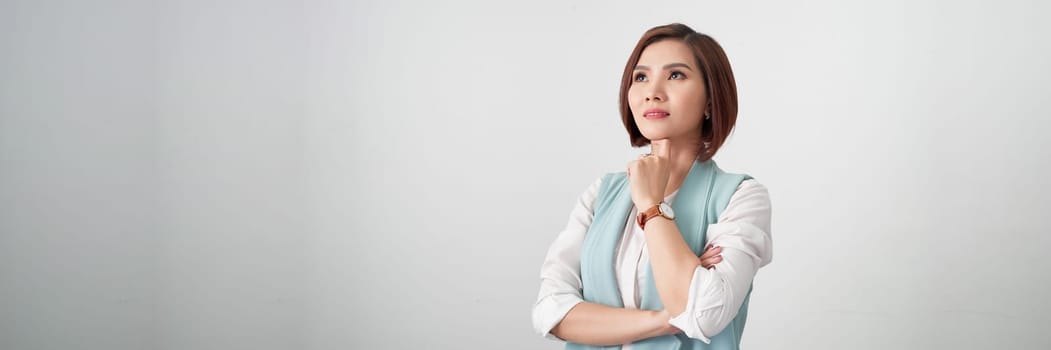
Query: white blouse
743 232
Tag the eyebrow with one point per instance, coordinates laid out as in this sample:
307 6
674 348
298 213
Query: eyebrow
666 67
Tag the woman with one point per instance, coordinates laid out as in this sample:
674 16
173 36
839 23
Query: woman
632 268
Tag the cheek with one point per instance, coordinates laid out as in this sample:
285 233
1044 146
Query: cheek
633 101
633 96
691 107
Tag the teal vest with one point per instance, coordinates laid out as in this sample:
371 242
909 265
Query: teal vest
701 198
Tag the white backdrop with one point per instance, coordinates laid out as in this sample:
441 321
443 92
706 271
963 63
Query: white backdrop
332 175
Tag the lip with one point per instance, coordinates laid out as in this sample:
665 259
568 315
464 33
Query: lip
655 113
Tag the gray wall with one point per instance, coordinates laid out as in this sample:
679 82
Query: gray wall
333 175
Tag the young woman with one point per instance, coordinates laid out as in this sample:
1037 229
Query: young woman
662 255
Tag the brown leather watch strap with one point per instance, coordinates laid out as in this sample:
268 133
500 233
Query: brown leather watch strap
650 213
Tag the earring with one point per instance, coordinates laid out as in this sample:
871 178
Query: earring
707 116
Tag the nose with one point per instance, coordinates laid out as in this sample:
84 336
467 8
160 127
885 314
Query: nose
655 92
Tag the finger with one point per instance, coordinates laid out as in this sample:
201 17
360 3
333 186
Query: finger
660 148
710 258
711 261
707 253
711 252
708 263
704 254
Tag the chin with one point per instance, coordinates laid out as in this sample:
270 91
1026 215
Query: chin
654 135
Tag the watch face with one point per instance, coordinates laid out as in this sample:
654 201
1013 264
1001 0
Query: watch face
666 210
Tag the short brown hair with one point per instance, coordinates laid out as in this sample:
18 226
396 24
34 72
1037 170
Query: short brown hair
718 79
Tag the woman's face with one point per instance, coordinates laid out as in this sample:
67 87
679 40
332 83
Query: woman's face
667 95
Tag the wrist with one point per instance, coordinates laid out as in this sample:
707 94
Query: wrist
646 204
661 324
660 209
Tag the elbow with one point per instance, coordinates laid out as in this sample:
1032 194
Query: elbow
556 332
710 311
539 325
702 327
715 320
548 315
713 325
547 331
678 300
675 307
706 326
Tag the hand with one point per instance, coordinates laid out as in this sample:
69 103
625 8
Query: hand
648 175
711 256
665 328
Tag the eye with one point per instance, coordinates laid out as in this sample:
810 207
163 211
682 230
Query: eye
677 75
640 77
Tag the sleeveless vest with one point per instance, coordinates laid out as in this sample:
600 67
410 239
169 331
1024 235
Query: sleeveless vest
701 198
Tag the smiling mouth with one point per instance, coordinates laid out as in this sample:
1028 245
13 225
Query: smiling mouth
656 115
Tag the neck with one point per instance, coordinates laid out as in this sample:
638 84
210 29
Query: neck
684 154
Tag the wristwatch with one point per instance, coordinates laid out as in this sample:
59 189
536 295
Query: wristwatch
662 209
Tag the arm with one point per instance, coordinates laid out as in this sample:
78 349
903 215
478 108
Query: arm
671 260
743 232
704 301
597 324
560 311
673 263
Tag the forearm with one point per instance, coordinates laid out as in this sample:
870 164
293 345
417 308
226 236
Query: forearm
673 263
597 324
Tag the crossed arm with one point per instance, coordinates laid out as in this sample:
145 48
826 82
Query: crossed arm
597 324
561 312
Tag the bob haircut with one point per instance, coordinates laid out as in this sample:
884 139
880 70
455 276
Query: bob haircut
718 79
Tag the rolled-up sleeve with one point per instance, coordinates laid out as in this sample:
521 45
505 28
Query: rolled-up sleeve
560 284
743 232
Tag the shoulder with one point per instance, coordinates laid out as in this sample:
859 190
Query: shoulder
751 191
614 177
742 184
751 185
607 181
602 186
592 192
750 203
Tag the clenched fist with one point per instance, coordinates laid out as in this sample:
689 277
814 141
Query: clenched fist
648 175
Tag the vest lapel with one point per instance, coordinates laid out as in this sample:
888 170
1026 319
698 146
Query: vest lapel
607 228
693 220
